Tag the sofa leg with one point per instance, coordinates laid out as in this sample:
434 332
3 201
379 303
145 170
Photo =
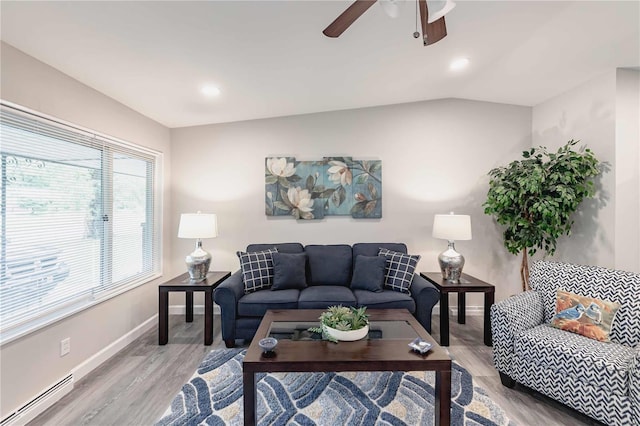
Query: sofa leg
507 381
230 343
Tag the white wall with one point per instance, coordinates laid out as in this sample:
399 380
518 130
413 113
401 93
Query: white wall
32 363
587 113
603 115
627 216
435 158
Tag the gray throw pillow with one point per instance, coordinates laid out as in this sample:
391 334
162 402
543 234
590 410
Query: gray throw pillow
289 271
368 273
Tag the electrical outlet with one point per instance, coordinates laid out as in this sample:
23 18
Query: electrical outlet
65 346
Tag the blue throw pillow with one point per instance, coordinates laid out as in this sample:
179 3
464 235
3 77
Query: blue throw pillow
399 269
289 271
368 273
257 269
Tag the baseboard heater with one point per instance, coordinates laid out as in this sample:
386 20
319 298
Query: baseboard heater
39 403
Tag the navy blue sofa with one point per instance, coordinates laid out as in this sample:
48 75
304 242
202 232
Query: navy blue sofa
329 269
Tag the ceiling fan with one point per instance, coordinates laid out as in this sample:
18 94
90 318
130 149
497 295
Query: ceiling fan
432 14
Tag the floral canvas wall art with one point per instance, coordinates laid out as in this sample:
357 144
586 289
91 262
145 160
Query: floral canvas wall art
315 189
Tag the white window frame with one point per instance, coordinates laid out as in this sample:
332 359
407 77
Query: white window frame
43 320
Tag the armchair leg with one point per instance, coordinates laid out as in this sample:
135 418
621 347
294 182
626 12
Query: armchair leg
506 380
231 343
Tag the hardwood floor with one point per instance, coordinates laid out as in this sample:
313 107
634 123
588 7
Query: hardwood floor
136 385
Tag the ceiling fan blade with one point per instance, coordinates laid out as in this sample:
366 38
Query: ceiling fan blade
431 32
347 17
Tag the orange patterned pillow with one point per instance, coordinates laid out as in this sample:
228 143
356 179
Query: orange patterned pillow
583 315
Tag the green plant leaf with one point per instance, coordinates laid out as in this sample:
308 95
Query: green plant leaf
282 206
310 183
284 182
534 198
362 178
338 196
270 179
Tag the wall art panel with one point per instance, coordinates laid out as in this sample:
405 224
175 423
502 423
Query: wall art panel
333 186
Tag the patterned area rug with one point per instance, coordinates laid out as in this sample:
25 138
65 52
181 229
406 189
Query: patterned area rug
213 396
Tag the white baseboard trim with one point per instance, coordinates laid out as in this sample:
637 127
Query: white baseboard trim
49 396
197 309
94 361
470 311
39 403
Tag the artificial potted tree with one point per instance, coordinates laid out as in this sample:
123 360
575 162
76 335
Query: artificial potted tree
534 198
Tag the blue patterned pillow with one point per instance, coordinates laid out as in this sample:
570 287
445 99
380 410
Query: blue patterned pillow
257 269
399 269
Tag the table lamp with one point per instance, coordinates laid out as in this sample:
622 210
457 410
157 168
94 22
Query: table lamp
451 227
198 225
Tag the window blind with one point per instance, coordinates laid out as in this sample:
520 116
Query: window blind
78 219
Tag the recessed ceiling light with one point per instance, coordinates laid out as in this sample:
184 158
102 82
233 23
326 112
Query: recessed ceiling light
209 90
459 64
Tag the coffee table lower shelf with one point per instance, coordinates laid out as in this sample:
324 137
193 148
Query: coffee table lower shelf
364 355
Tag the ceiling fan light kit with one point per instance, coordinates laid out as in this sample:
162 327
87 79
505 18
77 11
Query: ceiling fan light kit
433 26
439 8
391 7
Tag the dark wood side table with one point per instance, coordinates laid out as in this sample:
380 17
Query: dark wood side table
468 284
182 283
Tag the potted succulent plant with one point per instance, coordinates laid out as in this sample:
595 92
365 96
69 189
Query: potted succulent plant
341 323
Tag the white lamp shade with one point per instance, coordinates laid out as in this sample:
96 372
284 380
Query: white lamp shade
198 225
452 227
438 8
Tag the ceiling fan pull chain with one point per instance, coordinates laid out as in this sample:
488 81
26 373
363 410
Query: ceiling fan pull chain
416 34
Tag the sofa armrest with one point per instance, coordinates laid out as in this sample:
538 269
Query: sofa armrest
510 317
634 384
226 295
426 296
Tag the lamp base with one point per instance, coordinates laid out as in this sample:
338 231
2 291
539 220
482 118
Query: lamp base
198 263
451 263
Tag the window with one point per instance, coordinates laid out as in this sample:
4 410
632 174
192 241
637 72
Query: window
78 219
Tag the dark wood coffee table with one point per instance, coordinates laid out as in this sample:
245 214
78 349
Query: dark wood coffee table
388 353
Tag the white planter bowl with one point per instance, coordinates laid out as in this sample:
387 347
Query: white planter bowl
347 336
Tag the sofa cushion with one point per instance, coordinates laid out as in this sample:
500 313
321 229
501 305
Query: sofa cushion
289 271
257 269
256 304
282 247
321 297
329 264
387 299
399 270
372 249
589 361
587 316
368 273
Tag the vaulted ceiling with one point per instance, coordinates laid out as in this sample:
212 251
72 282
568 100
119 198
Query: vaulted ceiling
270 58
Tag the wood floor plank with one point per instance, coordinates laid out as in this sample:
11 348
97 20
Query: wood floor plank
136 385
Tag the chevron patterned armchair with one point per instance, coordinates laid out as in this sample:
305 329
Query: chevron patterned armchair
599 379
